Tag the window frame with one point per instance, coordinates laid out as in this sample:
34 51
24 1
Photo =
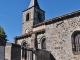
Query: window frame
27 17
42 41
39 17
43 45
76 42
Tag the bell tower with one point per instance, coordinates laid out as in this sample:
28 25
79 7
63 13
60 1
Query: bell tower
31 16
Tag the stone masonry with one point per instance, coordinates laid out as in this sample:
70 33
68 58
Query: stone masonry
13 51
58 38
2 48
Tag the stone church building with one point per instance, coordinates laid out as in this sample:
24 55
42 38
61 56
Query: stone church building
54 39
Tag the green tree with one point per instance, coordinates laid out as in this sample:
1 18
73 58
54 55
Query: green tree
2 32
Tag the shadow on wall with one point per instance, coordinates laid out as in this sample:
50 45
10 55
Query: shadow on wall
44 55
52 57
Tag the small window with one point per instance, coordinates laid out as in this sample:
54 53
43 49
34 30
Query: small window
76 42
27 17
39 17
43 43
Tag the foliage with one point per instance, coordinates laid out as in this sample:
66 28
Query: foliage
2 32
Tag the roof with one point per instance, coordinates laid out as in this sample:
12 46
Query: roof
34 3
28 34
60 18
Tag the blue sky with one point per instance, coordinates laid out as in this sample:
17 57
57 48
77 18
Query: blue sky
11 13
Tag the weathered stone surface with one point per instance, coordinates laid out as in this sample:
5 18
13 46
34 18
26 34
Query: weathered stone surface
30 41
2 48
59 38
2 53
8 53
12 51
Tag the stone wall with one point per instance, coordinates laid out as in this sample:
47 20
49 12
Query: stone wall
1 52
27 24
39 28
58 38
2 44
28 41
32 42
7 52
16 52
12 51
39 39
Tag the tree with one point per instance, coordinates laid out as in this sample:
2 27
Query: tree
3 34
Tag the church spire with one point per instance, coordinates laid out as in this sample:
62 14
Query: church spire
34 3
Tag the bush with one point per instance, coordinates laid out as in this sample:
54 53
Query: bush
3 34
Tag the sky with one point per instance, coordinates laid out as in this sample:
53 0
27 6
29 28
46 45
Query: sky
11 13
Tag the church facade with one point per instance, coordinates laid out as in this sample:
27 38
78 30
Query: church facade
54 39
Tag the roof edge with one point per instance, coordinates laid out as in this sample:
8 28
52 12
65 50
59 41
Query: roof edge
28 34
32 7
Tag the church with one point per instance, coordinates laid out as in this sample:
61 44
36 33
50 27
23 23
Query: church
54 39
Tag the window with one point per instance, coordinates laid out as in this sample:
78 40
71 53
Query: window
24 46
27 17
39 17
43 43
76 42
24 52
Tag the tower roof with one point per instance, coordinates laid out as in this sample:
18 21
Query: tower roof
34 3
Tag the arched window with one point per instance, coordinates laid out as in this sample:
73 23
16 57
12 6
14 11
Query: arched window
27 17
24 52
76 42
24 46
43 45
39 17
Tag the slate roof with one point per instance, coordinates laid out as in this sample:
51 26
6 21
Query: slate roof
34 3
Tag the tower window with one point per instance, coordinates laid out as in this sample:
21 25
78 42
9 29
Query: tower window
39 17
27 17
76 42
